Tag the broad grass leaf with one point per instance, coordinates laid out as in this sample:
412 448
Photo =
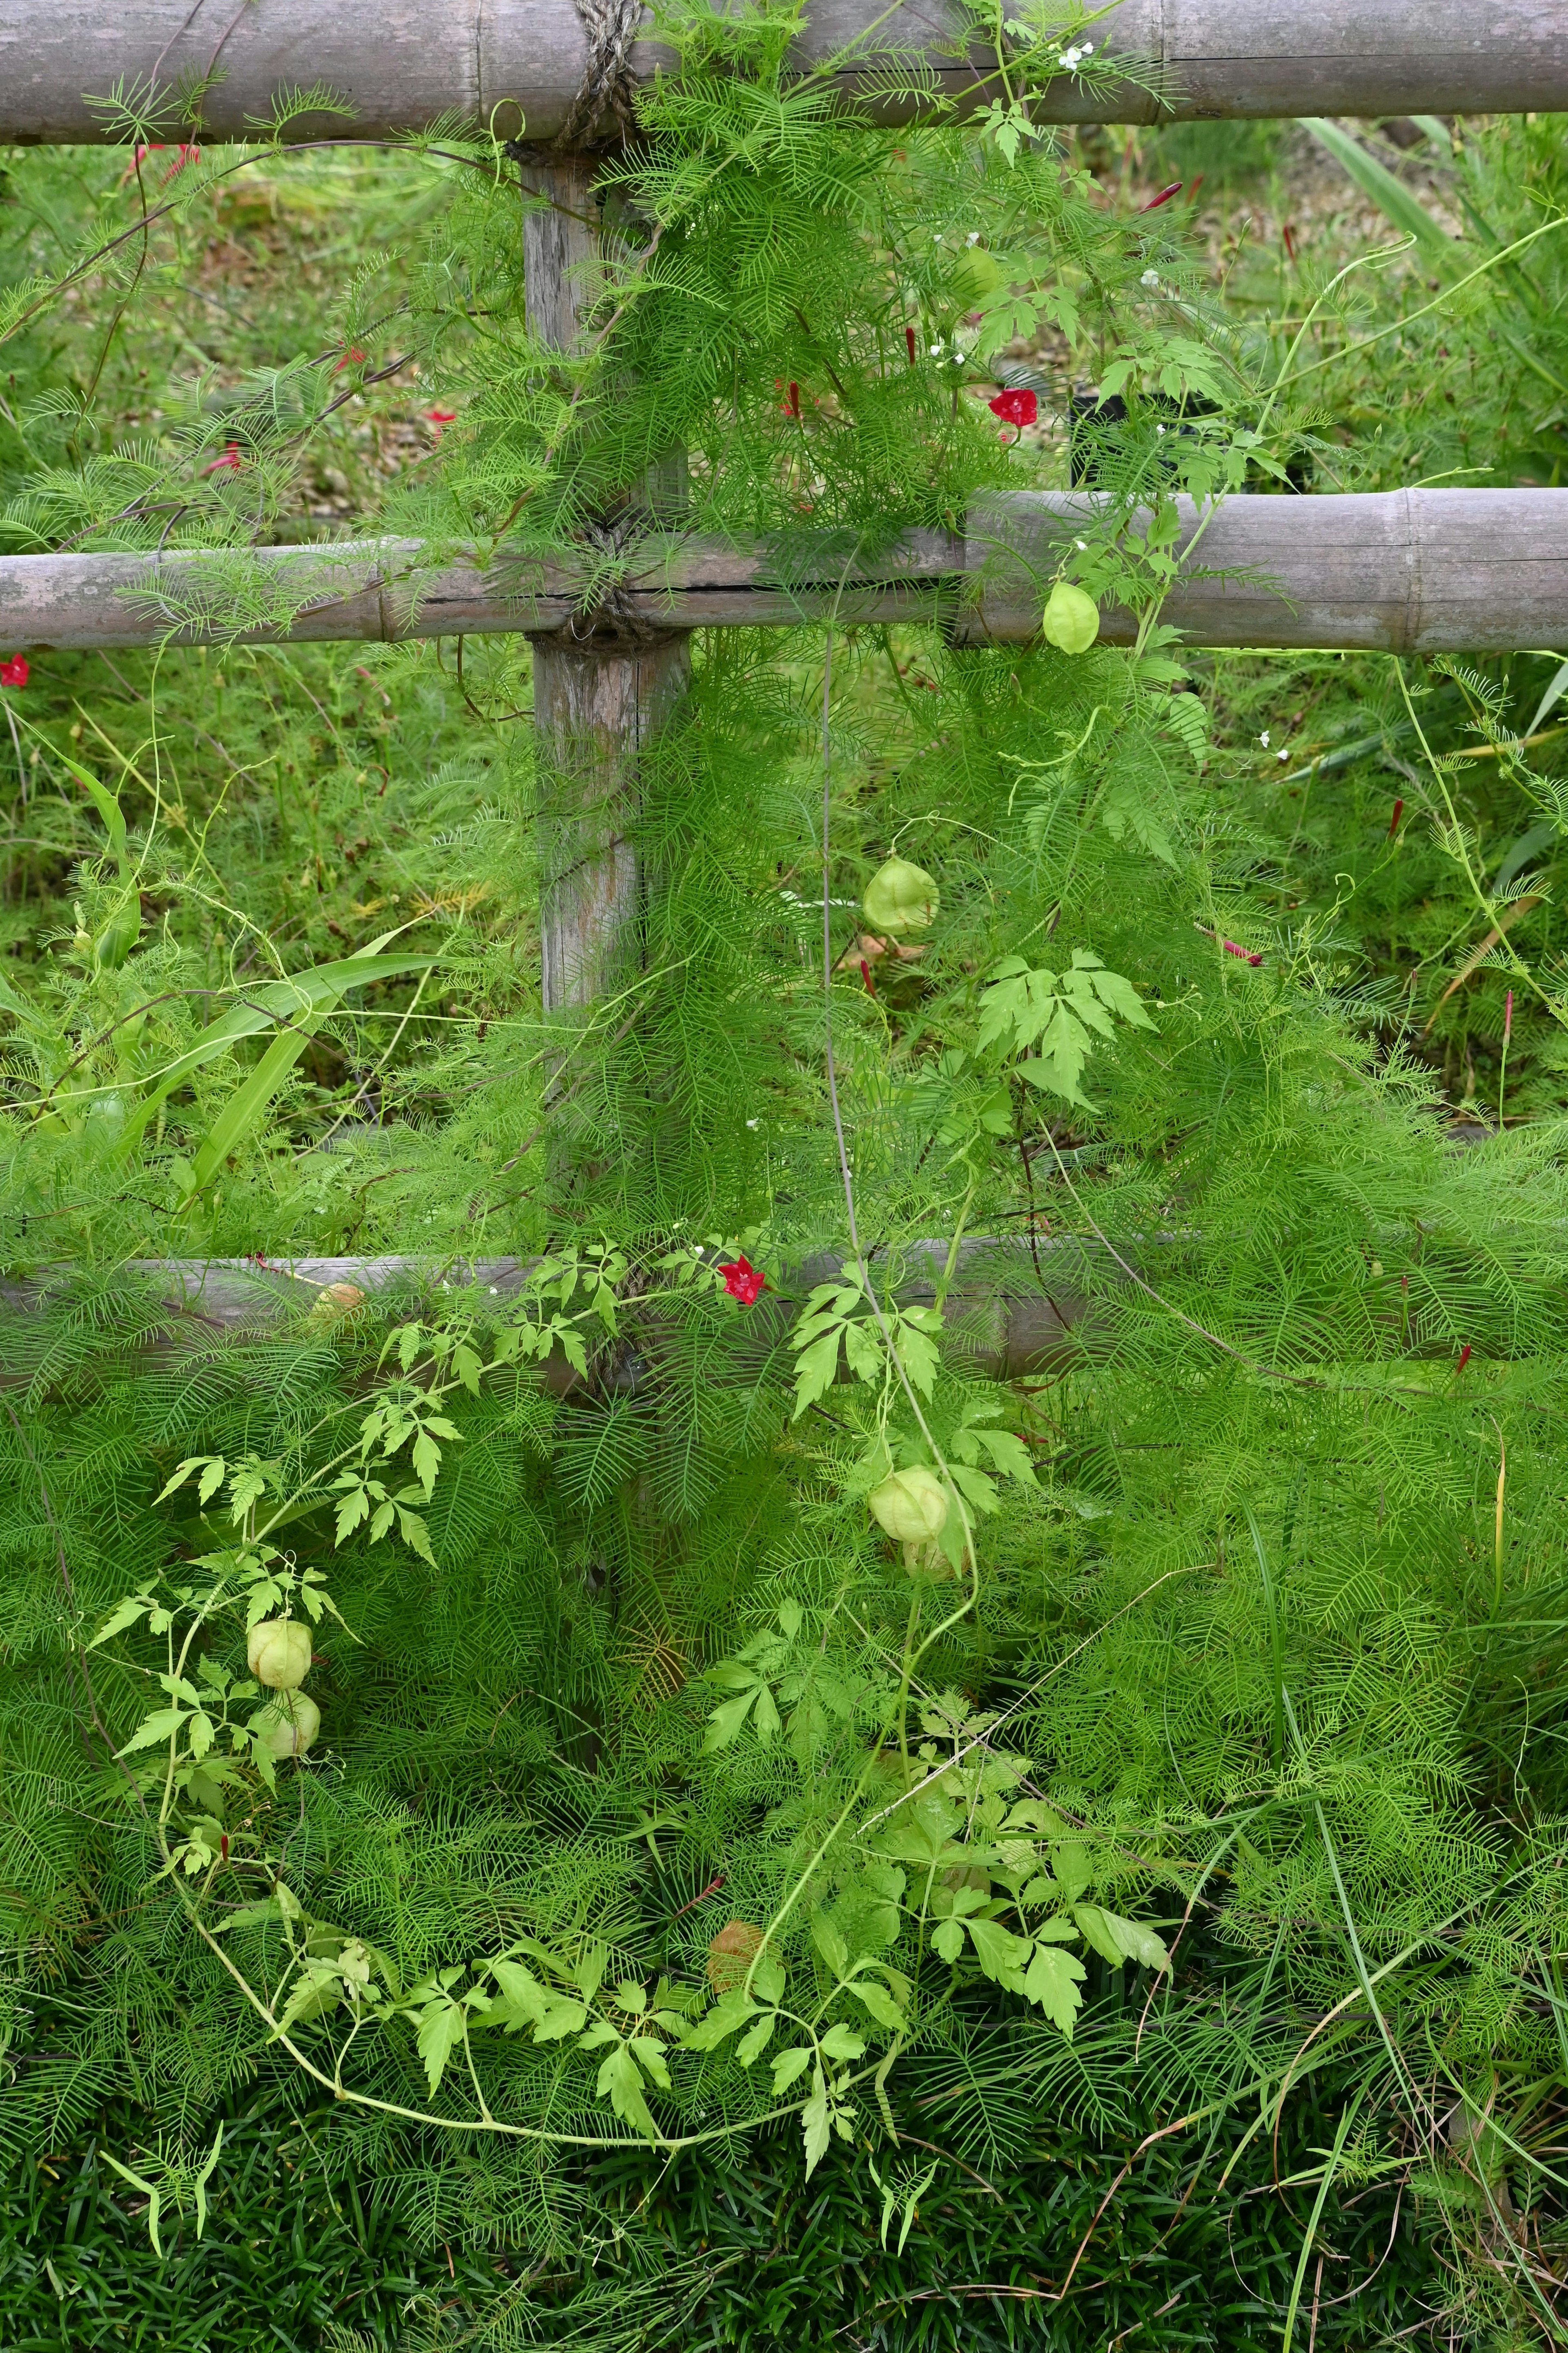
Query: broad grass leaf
1392 198
299 1001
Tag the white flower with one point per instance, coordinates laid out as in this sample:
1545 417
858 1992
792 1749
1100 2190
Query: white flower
936 351
1087 50
1282 754
1159 429
754 1122
974 237
1150 278
1263 739
1071 58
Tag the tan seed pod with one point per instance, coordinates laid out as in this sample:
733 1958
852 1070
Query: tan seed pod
336 1299
732 1953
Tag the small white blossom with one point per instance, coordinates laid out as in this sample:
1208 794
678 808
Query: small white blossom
1083 544
1282 754
1150 278
1159 429
936 351
1087 50
1263 739
974 237
754 1122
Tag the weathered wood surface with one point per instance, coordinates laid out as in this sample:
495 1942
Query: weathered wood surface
1397 571
402 62
1001 1311
1391 571
602 690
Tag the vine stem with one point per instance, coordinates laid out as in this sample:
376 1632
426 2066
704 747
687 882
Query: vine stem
1517 964
912 1653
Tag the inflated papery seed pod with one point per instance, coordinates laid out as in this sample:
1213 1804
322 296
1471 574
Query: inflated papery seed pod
900 898
287 1727
278 1652
912 1505
338 1299
1071 619
731 1955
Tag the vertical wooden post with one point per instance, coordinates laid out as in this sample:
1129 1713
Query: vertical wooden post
599 697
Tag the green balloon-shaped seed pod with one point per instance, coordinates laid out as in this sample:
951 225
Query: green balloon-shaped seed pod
912 1505
1071 621
286 1726
900 898
278 1652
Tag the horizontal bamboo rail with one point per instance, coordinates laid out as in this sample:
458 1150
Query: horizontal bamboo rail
1396 571
520 63
1008 1318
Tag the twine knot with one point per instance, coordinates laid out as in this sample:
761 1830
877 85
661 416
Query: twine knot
602 113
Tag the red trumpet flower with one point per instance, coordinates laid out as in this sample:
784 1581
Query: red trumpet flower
1016 408
743 1280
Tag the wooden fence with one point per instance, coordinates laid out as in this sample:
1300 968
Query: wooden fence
1407 571
521 64
1395 571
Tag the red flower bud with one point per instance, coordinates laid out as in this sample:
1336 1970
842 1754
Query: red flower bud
1164 198
1231 948
910 339
1393 820
15 672
1463 1358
